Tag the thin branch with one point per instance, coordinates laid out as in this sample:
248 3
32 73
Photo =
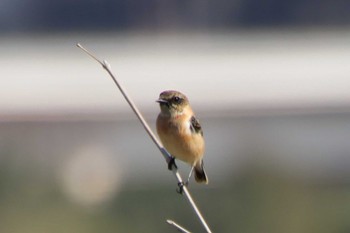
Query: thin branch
164 152
177 226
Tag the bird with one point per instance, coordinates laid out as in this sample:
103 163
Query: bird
181 133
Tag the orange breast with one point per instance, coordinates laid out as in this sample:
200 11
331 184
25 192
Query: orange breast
179 140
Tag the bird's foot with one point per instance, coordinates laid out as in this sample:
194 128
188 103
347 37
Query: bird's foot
171 164
181 185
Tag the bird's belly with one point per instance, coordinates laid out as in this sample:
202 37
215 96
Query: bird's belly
186 147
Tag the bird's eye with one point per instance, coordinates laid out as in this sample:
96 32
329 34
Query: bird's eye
177 99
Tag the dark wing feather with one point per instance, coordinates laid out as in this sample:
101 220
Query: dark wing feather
195 126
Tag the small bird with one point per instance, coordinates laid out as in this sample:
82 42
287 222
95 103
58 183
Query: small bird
180 132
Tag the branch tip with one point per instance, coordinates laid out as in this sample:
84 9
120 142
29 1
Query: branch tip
90 54
171 222
177 226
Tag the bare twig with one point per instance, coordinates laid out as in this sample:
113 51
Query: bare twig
164 152
177 226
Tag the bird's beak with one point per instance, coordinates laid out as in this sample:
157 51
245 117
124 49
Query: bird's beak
161 101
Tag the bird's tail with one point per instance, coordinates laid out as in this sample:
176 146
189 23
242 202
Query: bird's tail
199 173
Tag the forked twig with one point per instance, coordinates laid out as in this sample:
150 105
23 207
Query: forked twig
164 152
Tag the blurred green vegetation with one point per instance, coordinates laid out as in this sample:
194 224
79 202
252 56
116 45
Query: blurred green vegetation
255 200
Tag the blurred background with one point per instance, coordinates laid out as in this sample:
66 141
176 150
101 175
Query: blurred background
269 81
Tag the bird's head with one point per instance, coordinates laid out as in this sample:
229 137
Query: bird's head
172 102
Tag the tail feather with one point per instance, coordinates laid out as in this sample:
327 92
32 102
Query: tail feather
199 173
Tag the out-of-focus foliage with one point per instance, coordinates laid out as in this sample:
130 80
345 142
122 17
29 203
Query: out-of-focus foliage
256 200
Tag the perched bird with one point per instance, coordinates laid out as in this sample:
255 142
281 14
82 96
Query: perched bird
181 133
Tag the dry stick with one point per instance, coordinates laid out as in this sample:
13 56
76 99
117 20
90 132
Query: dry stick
177 226
164 152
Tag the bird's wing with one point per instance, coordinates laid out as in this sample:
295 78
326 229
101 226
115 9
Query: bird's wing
195 126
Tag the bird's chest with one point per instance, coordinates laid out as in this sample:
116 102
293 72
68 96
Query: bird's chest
174 132
176 128
178 139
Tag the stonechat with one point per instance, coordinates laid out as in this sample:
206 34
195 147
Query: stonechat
180 132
